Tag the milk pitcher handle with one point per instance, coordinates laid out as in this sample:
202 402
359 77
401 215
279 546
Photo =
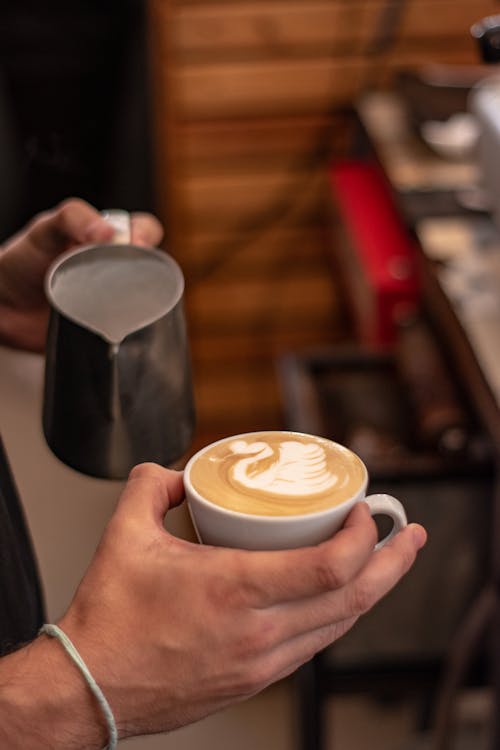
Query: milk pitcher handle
120 221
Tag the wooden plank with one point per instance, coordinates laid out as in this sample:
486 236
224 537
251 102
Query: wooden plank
181 4
263 332
218 418
232 395
247 30
258 144
233 349
261 305
246 254
248 202
291 88
235 249
255 89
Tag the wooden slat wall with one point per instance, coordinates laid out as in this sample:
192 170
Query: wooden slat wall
249 99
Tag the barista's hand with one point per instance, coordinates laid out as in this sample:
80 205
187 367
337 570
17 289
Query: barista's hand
173 631
25 258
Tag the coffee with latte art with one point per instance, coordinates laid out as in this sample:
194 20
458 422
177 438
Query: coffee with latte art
277 474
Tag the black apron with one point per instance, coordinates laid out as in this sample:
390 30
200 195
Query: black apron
21 602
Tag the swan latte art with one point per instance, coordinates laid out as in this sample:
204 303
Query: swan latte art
277 474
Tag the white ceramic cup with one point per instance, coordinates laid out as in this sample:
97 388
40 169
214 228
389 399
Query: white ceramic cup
221 527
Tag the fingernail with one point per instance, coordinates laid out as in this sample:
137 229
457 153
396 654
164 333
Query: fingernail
419 536
140 240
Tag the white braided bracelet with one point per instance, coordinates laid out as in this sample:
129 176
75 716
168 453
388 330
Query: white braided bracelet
55 632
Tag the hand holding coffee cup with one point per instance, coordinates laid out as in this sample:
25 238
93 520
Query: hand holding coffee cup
278 490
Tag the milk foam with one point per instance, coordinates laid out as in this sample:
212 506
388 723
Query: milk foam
277 473
114 293
295 469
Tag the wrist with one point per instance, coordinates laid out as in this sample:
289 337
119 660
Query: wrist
45 702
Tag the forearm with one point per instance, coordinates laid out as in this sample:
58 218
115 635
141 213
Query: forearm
44 702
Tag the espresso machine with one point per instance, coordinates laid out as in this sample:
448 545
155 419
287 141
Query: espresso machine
484 103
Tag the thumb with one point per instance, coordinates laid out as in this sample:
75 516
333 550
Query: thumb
150 491
73 222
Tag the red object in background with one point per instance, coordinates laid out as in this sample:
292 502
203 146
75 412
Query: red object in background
377 258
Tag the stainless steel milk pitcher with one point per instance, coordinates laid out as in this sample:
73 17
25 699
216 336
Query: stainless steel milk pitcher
118 388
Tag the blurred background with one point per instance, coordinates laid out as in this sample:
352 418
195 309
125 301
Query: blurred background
314 162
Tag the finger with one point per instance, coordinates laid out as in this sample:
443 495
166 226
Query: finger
150 491
383 570
288 656
146 229
73 222
272 577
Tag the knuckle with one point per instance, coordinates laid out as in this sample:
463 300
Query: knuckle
68 208
42 217
251 590
331 574
257 638
224 595
146 471
227 588
69 204
361 599
255 678
264 636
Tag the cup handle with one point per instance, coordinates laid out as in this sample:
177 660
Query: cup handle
386 505
120 221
